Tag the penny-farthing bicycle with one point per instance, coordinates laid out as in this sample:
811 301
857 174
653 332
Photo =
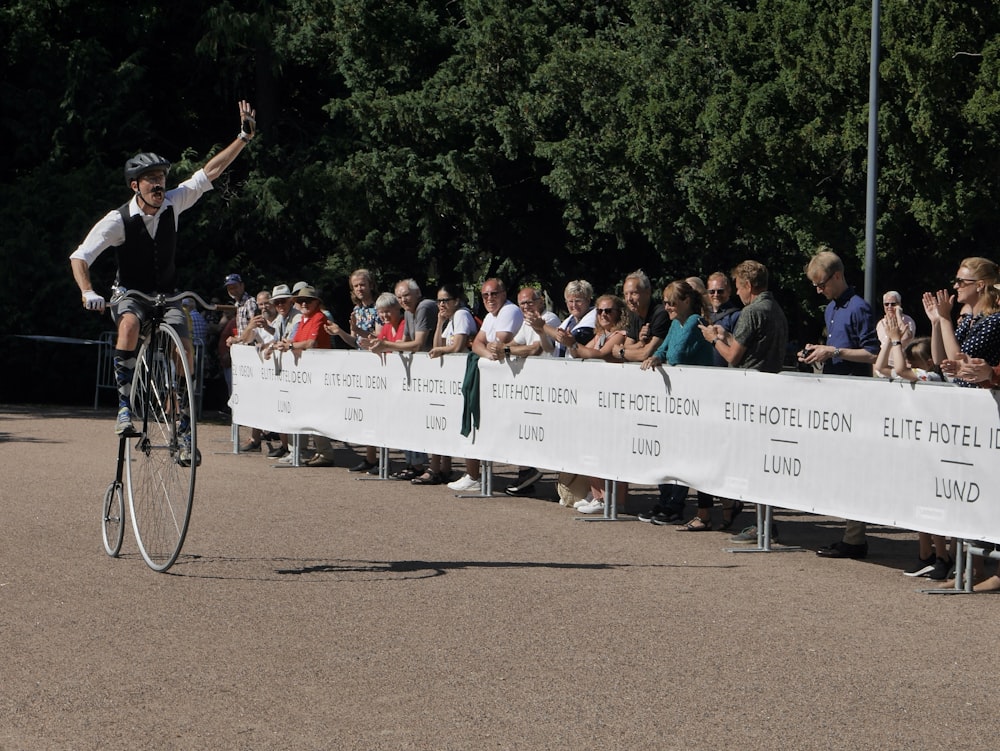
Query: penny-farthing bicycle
157 462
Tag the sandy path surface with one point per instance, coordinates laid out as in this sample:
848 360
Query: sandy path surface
313 610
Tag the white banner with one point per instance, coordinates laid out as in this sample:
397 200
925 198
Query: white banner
916 456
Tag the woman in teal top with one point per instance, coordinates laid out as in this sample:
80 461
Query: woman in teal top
685 344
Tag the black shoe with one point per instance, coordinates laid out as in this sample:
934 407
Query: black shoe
526 479
667 518
844 550
276 452
365 466
518 491
923 568
647 516
942 570
659 515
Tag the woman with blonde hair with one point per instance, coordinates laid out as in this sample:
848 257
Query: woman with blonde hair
610 330
978 332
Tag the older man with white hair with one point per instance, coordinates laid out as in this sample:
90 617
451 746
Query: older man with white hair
892 302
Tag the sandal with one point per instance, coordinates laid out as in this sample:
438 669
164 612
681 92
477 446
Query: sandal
428 478
695 525
405 474
733 511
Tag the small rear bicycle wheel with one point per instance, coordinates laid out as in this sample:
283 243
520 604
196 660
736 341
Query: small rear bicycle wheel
113 522
160 474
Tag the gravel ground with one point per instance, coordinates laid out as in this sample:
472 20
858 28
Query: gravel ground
313 610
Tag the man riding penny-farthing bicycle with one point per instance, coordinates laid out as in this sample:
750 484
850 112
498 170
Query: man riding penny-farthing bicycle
153 380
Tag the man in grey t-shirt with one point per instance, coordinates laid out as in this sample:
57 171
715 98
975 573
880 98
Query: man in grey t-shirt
760 337
421 320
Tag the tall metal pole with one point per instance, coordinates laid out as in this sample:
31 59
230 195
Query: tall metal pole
871 207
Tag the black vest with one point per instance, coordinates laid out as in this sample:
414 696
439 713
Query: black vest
147 263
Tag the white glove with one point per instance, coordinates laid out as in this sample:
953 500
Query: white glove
93 301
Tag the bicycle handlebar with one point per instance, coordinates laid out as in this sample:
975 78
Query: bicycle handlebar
161 299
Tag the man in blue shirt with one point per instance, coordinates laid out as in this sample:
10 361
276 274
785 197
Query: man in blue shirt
851 348
851 341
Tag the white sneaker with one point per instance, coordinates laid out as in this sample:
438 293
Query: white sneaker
594 507
304 456
585 501
465 482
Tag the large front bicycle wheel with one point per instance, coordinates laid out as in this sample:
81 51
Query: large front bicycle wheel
160 470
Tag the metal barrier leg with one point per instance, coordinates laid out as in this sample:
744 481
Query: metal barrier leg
383 462
383 466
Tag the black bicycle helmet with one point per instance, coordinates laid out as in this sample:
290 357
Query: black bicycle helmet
144 162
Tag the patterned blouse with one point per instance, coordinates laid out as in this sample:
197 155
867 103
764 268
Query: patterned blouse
979 336
366 318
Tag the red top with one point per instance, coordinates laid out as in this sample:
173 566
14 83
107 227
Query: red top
391 334
311 327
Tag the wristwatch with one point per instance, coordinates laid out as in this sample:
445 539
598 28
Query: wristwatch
836 351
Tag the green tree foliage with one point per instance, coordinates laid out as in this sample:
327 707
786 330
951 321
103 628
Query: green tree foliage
539 140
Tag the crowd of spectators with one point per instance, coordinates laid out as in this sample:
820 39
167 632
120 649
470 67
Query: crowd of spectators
690 323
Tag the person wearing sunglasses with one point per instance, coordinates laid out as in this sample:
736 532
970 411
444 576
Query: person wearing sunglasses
683 345
310 333
610 330
145 231
978 332
892 304
851 348
757 342
456 326
851 342
610 333
528 342
492 342
723 310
